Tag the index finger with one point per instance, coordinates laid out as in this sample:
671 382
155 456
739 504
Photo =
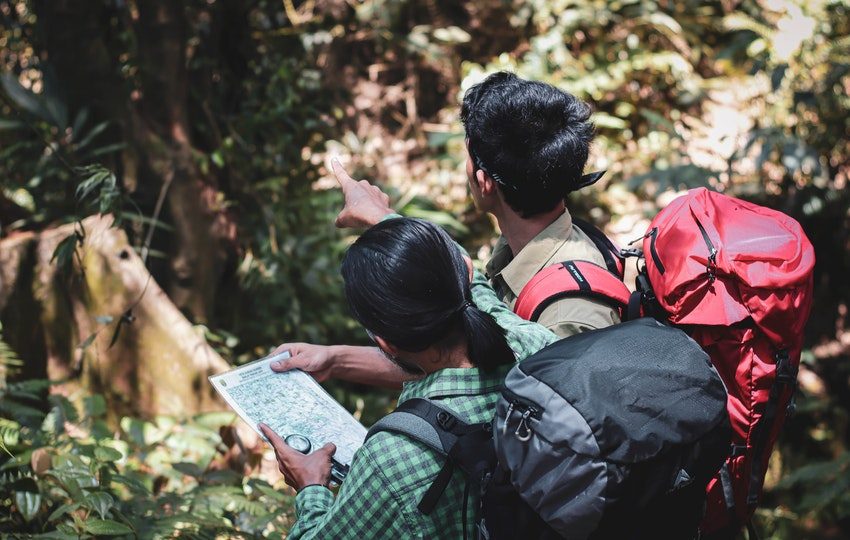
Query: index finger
341 174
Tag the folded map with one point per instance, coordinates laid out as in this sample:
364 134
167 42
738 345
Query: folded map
291 403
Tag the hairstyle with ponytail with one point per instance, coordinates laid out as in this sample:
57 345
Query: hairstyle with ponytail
407 282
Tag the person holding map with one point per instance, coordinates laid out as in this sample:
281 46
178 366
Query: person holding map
409 286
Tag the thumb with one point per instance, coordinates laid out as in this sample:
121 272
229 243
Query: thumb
329 449
288 364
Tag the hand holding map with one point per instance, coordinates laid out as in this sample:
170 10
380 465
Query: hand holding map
290 403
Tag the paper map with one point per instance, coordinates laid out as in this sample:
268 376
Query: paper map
290 403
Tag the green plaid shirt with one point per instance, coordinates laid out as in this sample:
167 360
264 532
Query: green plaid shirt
390 473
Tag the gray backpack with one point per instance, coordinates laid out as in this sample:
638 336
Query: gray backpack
612 433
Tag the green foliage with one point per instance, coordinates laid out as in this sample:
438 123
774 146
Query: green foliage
65 474
286 91
47 160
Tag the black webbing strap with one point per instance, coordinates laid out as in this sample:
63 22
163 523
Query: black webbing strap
786 377
633 310
605 246
438 487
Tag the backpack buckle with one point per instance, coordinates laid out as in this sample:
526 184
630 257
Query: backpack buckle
785 373
446 421
631 252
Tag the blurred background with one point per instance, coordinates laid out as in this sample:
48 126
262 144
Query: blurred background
166 211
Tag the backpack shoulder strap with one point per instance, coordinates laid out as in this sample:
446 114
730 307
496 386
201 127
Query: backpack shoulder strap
421 420
437 428
571 279
614 261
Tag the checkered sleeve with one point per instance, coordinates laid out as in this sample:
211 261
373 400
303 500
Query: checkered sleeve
524 337
363 508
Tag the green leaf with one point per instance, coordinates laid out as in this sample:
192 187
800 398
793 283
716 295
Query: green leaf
87 342
217 158
223 476
28 503
133 484
443 219
62 510
106 527
64 252
108 149
607 121
95 131
188 468
105 453
214 420
99 501
64 532
23 98
10 124
95 405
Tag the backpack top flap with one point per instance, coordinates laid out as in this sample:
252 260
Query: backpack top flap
620 395
714 259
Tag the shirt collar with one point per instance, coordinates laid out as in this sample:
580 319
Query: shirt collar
455 382
517 271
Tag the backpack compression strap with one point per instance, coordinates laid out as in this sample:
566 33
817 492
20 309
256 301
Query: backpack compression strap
437 428
571 279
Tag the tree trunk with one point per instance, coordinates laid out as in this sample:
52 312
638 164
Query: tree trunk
105 322
204 233
150 112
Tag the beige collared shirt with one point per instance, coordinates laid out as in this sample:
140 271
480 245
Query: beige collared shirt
558 242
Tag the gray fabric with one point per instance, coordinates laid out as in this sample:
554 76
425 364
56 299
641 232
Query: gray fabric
558 471
411 425
726 481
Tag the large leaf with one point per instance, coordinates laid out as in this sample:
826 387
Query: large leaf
62 510
189 468
23 98
100 502
106 527
105 453
28 503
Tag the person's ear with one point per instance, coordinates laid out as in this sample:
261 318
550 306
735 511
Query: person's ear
486 184
387 347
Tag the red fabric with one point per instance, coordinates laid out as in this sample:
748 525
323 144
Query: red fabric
759 249
557 281
756 304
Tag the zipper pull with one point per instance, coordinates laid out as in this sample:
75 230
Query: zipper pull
507 418
523 430
711 264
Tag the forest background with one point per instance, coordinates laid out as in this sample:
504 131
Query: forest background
189 141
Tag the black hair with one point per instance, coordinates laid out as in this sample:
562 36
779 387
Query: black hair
530 137
407 282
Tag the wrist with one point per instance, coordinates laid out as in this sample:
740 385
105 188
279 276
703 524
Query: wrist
311 484
335 353
389 213
379 215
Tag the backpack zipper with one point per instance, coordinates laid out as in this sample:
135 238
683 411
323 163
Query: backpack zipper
711 264
527 410
653 233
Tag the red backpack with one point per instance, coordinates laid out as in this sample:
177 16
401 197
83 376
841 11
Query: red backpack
737 277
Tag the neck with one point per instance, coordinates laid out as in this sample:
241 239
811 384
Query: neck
519 231
436 358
